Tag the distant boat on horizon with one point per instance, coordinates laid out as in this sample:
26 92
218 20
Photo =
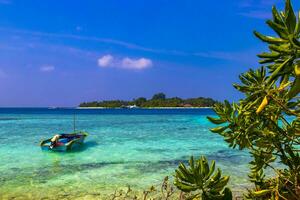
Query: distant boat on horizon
130 107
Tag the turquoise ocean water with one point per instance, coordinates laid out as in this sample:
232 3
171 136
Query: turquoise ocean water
134 147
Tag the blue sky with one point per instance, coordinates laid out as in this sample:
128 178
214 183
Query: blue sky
61 53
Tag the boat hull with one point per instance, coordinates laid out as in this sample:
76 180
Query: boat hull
67 142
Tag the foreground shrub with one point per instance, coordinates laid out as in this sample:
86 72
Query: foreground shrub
267 120
202 179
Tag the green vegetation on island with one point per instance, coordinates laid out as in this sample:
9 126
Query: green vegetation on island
158 100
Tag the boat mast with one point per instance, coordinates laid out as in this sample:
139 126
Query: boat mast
74 126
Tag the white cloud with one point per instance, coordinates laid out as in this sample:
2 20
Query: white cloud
47 68
141 63
125 63
105 61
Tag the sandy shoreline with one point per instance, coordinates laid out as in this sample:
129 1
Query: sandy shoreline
145 108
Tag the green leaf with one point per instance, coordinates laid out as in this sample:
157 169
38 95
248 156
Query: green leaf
290 19
184 187
269 39
214 179
219 129
295 89
297 29
181 176
204 166
276 16
211 170
277 71
280 49
216 121
221 184
191 163
295 42
185 172
260 193
267 60
279 29
227 194
269 55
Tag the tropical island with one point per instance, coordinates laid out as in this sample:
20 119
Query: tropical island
158 100
165 156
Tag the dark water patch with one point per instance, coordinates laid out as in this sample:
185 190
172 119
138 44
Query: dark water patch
42 174
223 156
229 157
9 119
196 149
153 150
223 151
154 167
182 128
57 169
2 179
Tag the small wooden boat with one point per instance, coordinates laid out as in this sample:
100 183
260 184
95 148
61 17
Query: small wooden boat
64 142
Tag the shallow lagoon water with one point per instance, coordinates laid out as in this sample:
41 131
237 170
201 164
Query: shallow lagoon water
136 147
